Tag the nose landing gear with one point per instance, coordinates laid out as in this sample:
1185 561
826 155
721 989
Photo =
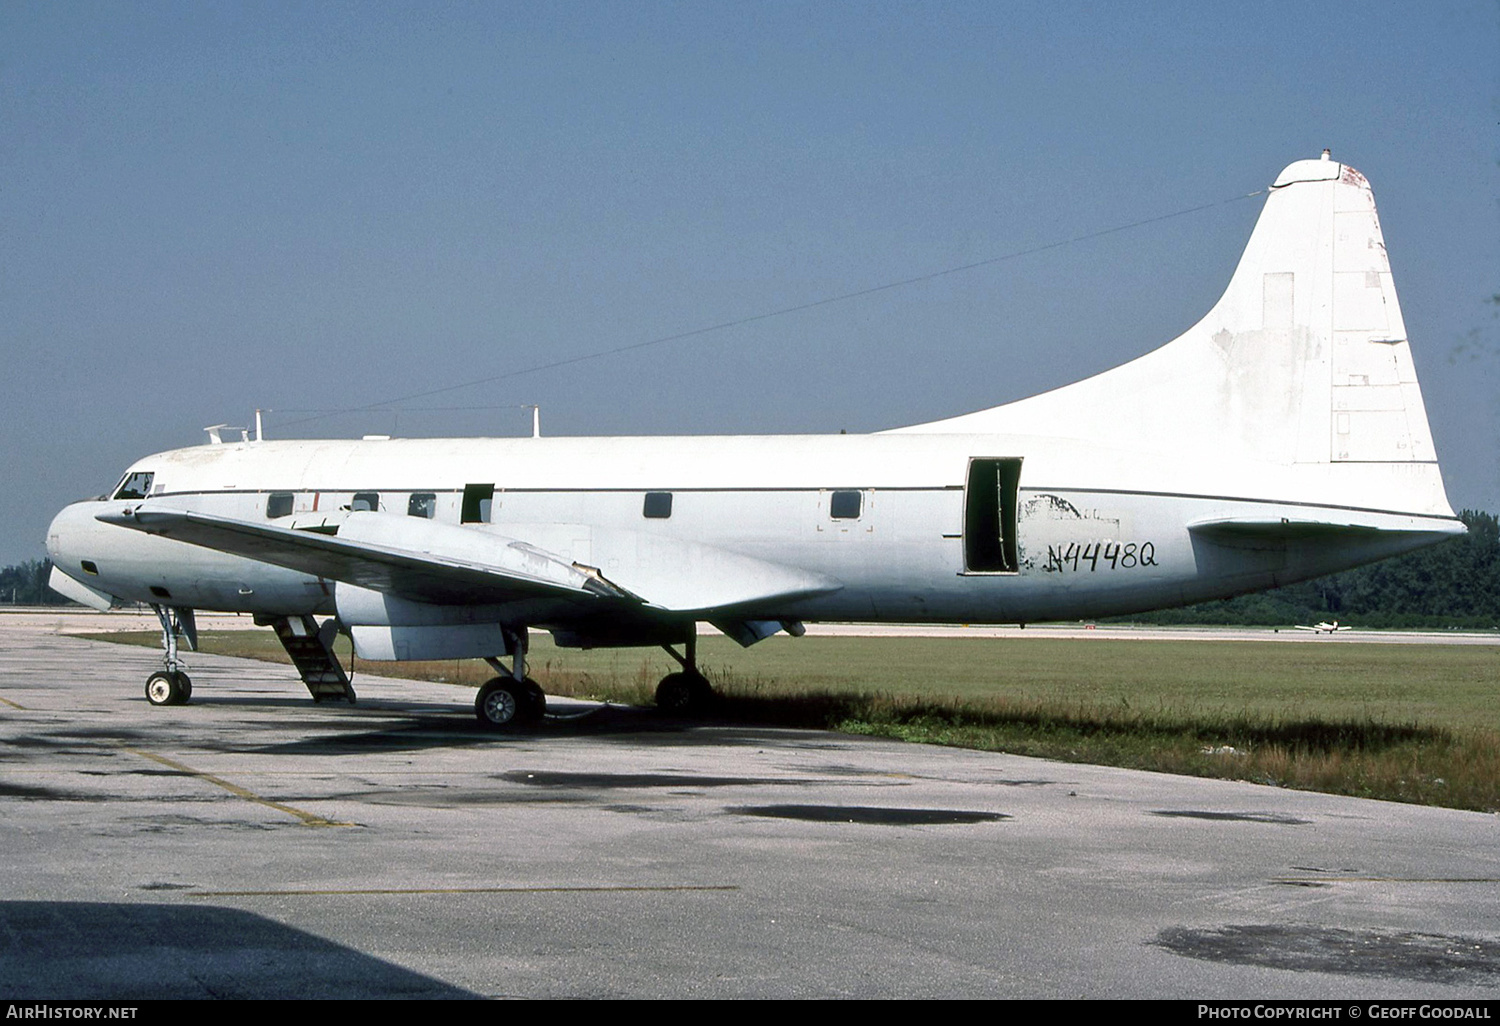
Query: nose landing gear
172 686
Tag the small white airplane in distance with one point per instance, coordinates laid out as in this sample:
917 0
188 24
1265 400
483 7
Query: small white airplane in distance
1282 437
1323 627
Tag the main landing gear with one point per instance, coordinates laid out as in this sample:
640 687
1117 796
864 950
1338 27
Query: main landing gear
511 699
685 691
172 686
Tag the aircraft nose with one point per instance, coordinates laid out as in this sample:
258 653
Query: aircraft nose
73 544
68 534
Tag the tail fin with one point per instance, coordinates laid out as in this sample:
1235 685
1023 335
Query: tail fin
1303 363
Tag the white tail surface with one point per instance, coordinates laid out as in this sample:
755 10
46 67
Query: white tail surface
1303 363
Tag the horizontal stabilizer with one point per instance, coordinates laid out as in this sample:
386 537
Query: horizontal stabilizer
1228 547
1284 529
1280 530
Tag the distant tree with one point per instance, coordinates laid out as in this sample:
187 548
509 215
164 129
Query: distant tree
25 584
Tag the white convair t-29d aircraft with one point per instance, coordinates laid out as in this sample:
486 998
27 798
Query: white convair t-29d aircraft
1281 437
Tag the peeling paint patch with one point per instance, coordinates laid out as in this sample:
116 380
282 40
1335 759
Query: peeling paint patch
1053 507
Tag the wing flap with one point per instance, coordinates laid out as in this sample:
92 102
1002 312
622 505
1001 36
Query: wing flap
688 577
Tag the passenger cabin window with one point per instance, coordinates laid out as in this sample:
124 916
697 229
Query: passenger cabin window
135 486
990 516
846 505
422 504
479 500
366 501
279 504
658 506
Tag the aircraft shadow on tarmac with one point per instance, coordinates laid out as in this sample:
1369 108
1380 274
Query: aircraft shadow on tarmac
120 951
399 725
383 724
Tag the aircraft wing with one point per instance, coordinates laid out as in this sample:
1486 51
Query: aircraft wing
512 571
450 565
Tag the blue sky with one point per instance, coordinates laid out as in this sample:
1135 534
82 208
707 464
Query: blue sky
208 208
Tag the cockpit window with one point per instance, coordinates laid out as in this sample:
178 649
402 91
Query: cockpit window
366 501
135 486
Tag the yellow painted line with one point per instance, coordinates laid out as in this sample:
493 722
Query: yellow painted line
306 818
624 888
13 705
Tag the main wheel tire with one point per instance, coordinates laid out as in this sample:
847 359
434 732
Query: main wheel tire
184 687
162 688
504 702
536 700
684 693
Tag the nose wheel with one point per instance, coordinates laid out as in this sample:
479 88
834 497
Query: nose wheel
171 686
168 687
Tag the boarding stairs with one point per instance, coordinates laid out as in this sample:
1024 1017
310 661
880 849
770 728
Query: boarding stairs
311 649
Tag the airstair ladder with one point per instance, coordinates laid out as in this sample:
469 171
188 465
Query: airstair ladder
311 650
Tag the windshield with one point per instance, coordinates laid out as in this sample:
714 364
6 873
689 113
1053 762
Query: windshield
135 486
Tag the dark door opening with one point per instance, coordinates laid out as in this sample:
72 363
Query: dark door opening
990 516
479 499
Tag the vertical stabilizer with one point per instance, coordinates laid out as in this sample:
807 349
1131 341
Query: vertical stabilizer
1303 363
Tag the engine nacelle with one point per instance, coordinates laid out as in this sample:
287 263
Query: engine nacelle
386 626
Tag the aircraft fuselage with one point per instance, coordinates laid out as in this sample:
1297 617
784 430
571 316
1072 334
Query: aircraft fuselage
1095 532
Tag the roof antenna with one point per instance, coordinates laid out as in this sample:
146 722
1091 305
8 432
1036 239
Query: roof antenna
258 435
536 422
1327 153
216 433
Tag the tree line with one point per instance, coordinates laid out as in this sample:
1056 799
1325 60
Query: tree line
25 584
1455 584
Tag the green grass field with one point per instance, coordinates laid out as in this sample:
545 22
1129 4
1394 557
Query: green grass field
1413 723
